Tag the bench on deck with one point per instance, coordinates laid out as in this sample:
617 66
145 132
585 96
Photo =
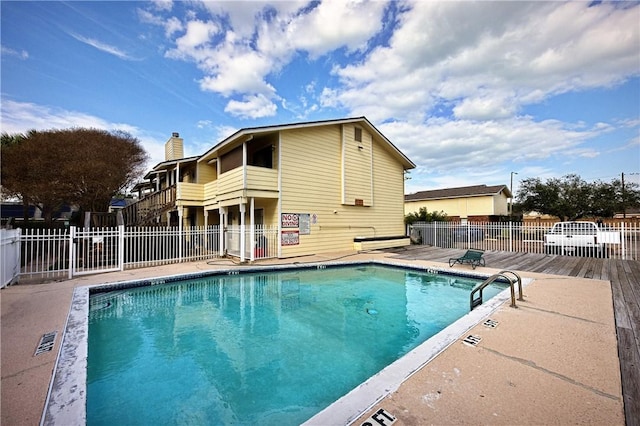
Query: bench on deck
473 257
376 243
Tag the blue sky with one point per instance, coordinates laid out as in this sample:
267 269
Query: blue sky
469 91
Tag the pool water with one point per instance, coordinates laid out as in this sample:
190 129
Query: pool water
260 348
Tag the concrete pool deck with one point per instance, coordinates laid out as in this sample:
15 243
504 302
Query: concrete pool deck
554 359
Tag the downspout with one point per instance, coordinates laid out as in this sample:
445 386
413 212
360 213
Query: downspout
252 230
279 241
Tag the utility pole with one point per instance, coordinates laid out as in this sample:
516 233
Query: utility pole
511 198
624 204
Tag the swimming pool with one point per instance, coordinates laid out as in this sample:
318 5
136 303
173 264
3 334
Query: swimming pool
363 316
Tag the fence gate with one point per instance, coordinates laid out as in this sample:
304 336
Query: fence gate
96 250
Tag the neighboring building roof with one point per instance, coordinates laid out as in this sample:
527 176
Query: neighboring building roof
462 192
247 133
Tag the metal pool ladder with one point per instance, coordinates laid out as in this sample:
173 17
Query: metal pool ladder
511 277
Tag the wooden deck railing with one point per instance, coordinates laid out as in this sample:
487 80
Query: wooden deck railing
145 210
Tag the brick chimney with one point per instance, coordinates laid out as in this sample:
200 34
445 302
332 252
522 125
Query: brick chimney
174 148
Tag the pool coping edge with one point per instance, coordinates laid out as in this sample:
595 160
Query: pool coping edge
66 399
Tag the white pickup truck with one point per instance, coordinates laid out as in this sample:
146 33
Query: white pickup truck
580 239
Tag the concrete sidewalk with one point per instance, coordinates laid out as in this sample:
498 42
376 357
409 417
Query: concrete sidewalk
552 360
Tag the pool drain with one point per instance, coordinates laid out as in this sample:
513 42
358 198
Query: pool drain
472 340
490 323
46 343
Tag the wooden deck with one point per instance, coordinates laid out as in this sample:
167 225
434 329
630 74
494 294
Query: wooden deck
624 276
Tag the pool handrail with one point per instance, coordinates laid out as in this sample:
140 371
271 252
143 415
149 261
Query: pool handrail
515 278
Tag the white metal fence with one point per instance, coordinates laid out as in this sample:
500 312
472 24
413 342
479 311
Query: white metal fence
524 237
265 237
9 255
67 253
45 252
151 246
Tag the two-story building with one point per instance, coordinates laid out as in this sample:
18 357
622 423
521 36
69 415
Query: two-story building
327 186
478 203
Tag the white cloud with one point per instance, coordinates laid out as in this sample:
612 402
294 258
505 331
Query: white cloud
197 34
489 59
163 4
252 106
172 25
240 71
485 107
22 54
104 47
243 44
204 124
478 64
335 24
440 144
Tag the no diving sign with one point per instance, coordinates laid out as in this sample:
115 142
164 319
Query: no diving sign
380 418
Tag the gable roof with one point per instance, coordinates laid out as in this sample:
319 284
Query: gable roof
465 191
248 133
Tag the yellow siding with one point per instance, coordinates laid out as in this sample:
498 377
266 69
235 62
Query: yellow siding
479 206
357 167
206 173
312 183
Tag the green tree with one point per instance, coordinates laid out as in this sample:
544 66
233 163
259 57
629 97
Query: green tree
82 167
571 198
422 215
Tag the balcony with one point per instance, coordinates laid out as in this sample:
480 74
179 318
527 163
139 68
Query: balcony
190 194
260 182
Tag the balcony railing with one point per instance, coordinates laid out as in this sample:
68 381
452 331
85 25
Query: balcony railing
233 183
239 182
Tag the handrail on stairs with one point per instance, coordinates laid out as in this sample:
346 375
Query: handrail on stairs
511 277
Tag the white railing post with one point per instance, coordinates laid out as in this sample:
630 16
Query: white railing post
435 234
223 218
19 250
121 242
242 232
623 239
180 233
252 230
72 251
510 235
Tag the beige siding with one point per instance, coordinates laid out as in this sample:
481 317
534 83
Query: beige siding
501 205
462 207
312 183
